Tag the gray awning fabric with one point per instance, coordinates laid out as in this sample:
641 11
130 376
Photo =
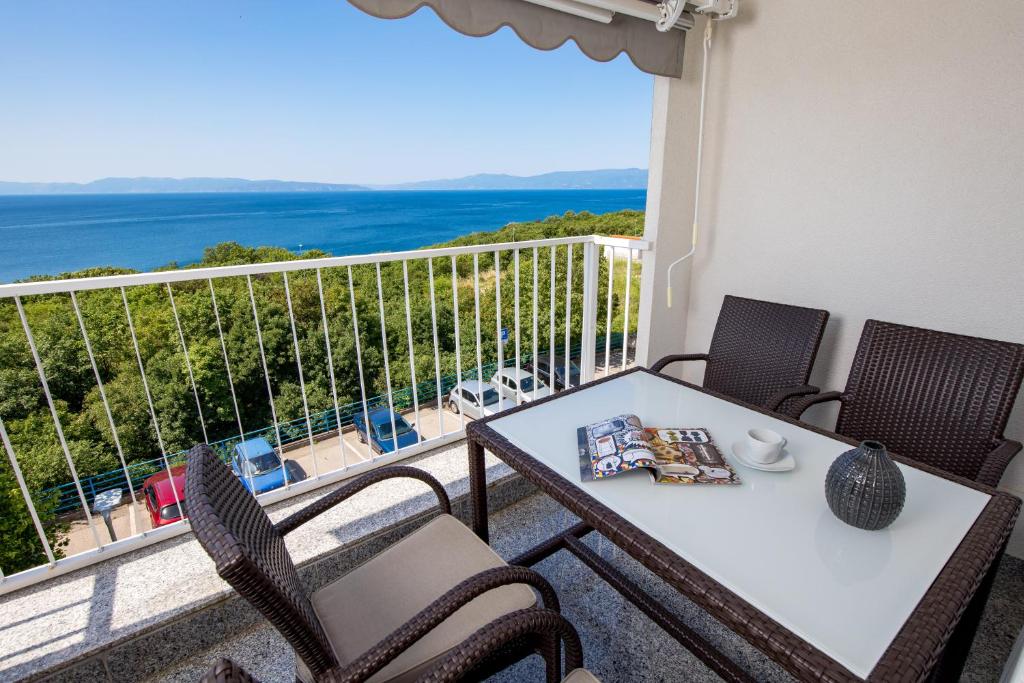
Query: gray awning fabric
545 29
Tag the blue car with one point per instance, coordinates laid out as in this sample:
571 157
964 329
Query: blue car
381 440
258 466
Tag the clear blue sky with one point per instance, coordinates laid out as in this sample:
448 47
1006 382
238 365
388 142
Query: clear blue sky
311 90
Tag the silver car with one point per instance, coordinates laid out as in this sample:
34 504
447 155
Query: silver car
517 386
475 399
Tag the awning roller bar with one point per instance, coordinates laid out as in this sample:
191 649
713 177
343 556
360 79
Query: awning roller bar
666 15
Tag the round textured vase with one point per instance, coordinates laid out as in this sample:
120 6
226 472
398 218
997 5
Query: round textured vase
865 488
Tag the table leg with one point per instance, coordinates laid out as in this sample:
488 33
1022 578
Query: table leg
478 489
951 663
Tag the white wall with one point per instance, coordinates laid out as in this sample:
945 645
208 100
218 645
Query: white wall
669 213
862 157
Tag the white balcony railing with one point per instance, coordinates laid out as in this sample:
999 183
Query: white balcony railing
572 304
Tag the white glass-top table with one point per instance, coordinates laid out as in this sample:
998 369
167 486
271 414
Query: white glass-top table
766 557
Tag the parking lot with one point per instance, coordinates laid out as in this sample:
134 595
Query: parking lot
326 455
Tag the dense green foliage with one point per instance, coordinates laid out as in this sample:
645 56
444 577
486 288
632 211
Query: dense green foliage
84 420
21 548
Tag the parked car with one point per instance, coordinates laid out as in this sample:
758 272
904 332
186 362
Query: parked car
160 501
258 465
473 398
516 382
541 369
381 439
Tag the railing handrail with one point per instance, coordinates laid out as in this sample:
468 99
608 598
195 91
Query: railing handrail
215 272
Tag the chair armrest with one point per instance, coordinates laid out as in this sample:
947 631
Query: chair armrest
781 396
657 367
804 403
378 656
995 463
356 485
463 658
226 671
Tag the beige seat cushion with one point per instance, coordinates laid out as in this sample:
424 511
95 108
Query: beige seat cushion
364 606
580 676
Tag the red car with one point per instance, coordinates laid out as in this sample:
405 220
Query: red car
160 501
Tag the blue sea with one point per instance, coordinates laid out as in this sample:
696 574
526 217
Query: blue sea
49 235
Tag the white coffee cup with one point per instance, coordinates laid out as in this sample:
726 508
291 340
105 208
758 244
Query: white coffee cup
764 445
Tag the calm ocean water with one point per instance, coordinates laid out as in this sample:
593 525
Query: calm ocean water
48 235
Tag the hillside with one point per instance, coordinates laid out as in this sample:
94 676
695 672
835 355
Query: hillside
604 179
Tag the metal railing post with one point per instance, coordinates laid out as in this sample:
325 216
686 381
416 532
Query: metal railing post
591 269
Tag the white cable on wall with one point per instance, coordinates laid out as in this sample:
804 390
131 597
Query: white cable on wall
708 31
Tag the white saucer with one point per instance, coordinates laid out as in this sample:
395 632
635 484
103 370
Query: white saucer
783 464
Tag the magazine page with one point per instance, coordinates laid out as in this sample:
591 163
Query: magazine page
615 445
688 456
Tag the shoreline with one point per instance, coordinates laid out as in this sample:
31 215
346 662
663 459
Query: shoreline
53 236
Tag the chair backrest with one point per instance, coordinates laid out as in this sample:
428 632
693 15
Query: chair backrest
760 348
939 398
251 556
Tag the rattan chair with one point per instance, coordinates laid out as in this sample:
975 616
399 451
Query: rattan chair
465 661
536 624
391 618
761 352
939 398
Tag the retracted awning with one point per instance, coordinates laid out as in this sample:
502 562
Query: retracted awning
603 29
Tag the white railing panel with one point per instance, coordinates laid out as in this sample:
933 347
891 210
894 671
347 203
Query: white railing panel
519 357
387 368
188 361
458 337
227 363
412 357
330 367
591 269
437 352
302 378
299 301
266 375
106 408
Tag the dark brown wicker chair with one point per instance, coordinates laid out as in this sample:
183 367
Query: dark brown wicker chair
539 624
761 352
466 661
390 619
939 398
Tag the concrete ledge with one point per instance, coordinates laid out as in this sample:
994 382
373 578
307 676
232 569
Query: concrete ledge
140 613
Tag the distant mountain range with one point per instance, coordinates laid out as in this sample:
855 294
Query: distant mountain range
604 179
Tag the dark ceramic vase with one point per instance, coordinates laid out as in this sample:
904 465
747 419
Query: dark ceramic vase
865 488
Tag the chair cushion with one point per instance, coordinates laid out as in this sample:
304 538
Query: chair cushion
371 601
580 676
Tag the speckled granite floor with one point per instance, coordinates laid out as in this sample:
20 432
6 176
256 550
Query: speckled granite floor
620 643
98 608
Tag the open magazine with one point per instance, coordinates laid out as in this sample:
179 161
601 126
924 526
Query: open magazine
675 455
